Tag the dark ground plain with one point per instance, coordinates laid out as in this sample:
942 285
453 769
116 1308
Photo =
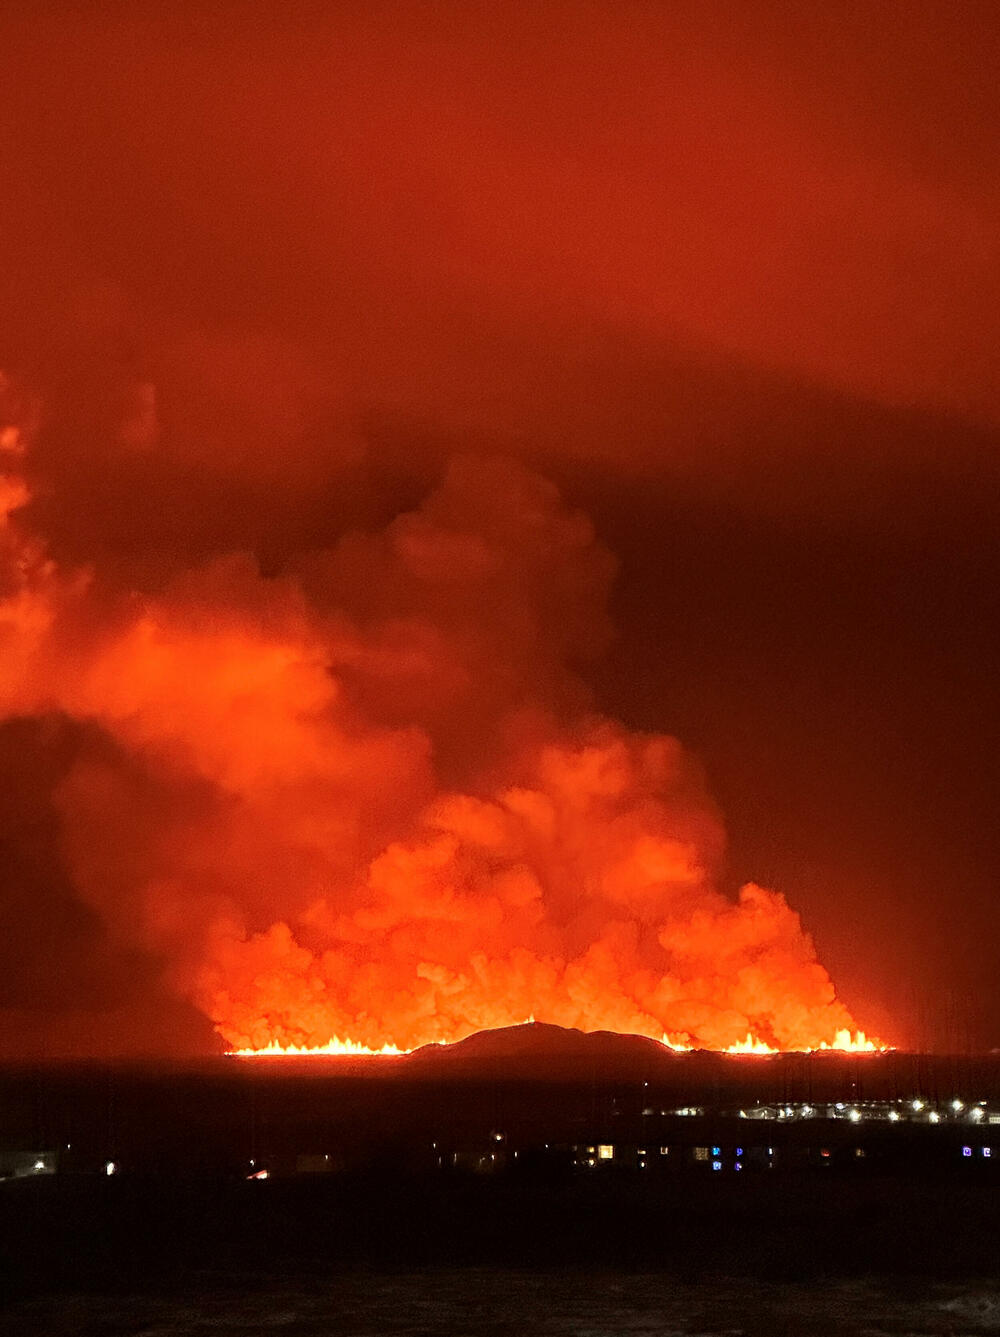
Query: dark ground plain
180 1243
368 1255
506 1303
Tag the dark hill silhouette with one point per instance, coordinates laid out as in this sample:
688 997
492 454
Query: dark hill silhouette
537 1049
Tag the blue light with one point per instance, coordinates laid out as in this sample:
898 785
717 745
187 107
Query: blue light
716 1165
966 1151
987 1151
737 1166
716 1151
739 1151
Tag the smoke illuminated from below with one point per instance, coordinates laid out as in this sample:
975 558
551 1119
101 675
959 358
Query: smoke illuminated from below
372 798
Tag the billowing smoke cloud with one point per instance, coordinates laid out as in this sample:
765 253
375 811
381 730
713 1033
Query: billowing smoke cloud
370 797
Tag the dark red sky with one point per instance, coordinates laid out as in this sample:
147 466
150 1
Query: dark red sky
727 273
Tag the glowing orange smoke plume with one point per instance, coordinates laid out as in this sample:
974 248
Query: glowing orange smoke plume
367 799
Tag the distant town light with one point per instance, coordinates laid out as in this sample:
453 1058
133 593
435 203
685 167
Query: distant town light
605 1152
111 1168
39 1165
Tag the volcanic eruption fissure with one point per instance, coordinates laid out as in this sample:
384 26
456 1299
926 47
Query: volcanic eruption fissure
371 798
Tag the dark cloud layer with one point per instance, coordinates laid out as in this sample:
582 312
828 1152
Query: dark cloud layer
727 275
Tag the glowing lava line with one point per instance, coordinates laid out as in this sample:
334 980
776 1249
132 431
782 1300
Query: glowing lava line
751 1045
844 1042
342 1048
858 1043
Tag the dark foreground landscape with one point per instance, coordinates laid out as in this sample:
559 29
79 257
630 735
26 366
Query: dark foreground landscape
525 1182
504 1303
364 1255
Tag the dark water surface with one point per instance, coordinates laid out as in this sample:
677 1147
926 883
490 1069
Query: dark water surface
512 1303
